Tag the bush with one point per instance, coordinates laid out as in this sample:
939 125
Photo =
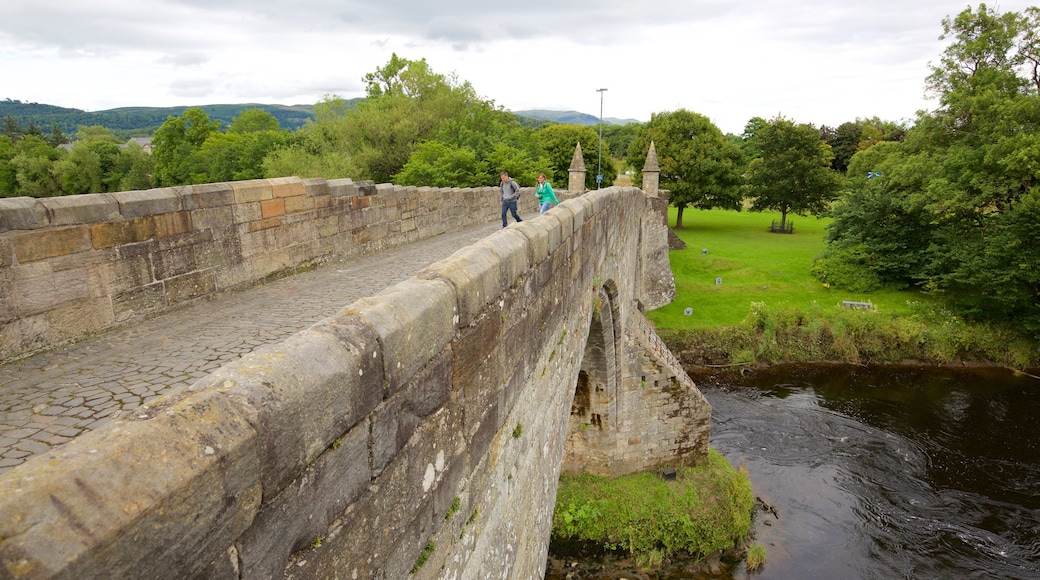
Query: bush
846 270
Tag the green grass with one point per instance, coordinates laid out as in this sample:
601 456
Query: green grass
769 308
754 266
706 509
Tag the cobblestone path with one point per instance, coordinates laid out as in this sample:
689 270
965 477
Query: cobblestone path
49 398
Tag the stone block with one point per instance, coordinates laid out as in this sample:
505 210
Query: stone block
136 204
159 494
42 244
265 224
253 190
37 294
172 262
220 254
398 509
6 253
90 208
512 249
298 204
304 510
22 213
270 208
206 195
246 212
476 274
110 234
538 239
138 301
317 187
415 320
80 318
342 187
22 335
367 187
218 219
168 225
287 187
301 395
394 422
189 286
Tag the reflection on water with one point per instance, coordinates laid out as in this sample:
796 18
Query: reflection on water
888 472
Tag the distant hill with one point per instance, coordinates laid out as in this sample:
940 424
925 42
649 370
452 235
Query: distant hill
571 117
128 122
139 121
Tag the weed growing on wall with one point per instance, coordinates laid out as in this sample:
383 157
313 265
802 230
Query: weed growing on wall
705 510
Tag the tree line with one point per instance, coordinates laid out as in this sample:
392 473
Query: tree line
947 205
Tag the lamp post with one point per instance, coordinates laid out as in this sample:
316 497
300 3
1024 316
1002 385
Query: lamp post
599 170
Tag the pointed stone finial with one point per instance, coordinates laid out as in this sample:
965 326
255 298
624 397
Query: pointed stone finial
576 173
578 161
651 160
651 172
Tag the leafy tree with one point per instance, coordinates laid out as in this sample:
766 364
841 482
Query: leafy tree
319 148
407 104
793 174
175 144
136 167
699 165
437 164
12 130
956 207
91 166
559 140
253 121
8 174
57 137
34 164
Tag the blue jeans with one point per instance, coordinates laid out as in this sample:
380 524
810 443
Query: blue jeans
544 207
511 207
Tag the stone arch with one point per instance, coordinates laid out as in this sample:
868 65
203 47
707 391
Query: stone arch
593 424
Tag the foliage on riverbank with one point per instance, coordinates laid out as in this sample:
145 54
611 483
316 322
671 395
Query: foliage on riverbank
928 334
706 509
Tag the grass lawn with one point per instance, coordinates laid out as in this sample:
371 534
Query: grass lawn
753 265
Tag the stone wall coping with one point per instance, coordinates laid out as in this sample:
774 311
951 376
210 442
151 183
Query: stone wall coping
81 209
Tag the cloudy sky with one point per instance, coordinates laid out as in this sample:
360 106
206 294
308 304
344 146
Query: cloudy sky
813 61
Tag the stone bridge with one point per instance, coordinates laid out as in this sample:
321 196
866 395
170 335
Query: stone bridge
420 431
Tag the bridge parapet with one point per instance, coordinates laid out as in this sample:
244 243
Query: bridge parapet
435 416
72 266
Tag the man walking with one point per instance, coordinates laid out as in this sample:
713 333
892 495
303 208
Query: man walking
510 194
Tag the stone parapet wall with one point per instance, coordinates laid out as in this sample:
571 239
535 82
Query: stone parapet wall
76 265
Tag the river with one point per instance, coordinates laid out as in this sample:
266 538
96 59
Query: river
880 472
887 472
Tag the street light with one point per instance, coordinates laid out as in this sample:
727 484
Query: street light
599 171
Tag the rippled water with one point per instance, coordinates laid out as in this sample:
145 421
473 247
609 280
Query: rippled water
888 472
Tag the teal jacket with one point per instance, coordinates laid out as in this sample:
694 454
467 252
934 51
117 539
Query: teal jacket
545 193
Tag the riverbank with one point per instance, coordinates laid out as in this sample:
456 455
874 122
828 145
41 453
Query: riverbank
784 334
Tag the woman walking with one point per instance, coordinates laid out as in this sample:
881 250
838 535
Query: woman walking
546 196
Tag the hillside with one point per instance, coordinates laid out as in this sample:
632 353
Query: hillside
571 117
129 122
139 121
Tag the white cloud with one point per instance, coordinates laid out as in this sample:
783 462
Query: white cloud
814 61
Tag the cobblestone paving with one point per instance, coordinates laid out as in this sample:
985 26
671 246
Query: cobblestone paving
48 399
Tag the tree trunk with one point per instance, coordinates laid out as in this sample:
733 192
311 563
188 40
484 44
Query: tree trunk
678 217
783 220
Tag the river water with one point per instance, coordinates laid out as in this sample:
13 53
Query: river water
887 472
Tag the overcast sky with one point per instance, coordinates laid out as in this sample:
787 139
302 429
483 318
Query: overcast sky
813 61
